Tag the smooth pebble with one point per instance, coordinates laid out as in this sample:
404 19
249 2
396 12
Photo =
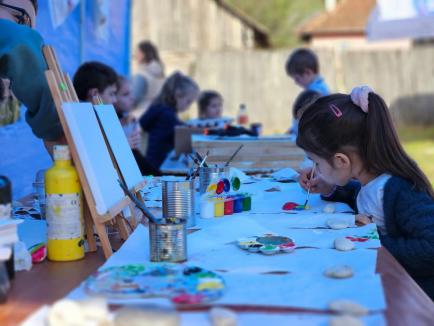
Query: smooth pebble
343 244
341 271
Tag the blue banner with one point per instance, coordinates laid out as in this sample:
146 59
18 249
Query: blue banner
92 31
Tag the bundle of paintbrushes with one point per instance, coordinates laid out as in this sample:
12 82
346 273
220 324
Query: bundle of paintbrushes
146 212
200 162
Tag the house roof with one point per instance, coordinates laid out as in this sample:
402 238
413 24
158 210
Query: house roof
348 18
260 31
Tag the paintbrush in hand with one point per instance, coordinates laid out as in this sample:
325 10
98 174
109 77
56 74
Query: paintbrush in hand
308 189
233 155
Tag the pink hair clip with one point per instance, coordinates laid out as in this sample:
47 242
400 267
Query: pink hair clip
337 112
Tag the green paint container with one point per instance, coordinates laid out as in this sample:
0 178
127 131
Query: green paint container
247 202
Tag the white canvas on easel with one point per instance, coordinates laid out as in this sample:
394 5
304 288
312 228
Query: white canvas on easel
98 166
119 145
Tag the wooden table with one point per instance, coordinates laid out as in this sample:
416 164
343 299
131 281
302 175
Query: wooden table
407 304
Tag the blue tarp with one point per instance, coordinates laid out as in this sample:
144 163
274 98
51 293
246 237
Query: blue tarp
22 154
76 42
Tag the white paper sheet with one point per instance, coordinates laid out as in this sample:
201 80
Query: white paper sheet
300 261
230 228
310 289
39 317
301 290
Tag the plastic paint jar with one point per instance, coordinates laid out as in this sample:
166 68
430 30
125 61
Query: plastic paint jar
207 208
219 207
247 203
238 204
229 206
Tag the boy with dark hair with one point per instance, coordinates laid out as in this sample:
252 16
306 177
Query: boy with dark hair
303 67
95 79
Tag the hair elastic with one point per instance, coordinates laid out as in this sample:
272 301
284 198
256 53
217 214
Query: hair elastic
359 96
336 111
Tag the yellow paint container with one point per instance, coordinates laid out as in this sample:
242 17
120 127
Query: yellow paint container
219 207
64 210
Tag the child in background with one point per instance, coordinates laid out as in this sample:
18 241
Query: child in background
124 105
148 81
160 120
303 67
94 79
301 103
210 105
360 161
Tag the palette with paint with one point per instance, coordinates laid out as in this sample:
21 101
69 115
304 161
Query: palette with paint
181 284
267 244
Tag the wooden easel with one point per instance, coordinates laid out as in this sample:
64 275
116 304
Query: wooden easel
63 91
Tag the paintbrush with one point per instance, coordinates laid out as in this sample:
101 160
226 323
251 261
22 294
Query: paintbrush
139 205
308 189
200 158
195 160
190 172
233 155
200 165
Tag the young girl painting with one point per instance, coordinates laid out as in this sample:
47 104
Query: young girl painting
360 161
177 95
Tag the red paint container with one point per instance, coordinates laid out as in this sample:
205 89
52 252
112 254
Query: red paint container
229 206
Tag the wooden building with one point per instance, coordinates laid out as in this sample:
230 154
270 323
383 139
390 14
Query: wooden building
195 25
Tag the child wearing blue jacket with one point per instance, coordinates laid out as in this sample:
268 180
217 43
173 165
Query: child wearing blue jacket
360 161
159 121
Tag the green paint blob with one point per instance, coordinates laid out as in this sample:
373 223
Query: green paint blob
236 183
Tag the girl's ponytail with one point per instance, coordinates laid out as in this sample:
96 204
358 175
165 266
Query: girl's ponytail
384 152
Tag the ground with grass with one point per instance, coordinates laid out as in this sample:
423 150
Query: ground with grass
419 144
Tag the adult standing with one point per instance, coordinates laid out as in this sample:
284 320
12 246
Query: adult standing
149 80
22 62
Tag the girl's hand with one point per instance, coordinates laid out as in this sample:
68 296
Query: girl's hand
317 184
363 219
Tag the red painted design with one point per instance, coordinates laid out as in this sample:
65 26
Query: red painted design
289 206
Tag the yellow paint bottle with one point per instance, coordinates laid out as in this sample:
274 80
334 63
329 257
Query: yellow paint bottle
64 211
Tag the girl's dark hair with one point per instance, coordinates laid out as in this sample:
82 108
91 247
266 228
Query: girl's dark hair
177 82
93 74
324 132
149 51
303 101
205 99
